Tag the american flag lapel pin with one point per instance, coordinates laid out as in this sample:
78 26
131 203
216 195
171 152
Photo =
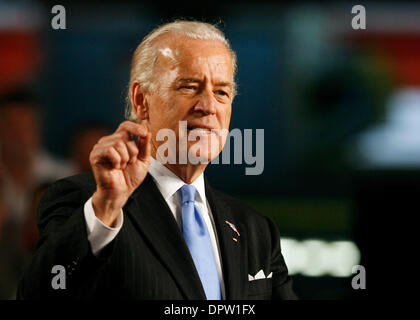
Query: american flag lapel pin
233 227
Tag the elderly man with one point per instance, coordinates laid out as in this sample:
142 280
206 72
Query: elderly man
144 227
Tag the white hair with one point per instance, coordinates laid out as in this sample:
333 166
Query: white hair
145 56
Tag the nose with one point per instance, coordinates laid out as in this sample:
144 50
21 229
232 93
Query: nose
206 103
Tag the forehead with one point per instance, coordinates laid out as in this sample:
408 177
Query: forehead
194 56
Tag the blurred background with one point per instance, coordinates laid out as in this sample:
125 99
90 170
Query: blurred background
340 109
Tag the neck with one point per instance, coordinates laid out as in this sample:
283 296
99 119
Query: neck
187 172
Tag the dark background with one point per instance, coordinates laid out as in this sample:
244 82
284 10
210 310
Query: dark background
340 162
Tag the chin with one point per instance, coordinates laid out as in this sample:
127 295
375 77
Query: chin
202 153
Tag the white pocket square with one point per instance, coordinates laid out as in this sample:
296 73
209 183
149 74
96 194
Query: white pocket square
259 275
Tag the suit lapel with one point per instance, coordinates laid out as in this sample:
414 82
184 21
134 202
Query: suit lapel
154 219
233 253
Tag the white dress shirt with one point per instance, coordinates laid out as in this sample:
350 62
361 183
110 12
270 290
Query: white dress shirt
99 235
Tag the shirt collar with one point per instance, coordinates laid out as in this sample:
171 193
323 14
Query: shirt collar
169 183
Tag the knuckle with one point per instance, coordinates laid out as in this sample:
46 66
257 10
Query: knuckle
100 141
121 149
132 146
120 144
135 151
92 157
108 151
104 140
124 157
124 125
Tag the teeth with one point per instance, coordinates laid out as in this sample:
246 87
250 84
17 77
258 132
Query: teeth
201 129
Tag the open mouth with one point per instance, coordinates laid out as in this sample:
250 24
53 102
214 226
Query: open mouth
201 129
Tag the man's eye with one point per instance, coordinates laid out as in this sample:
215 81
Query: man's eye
221 92
188 87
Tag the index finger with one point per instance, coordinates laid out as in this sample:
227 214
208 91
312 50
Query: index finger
133 128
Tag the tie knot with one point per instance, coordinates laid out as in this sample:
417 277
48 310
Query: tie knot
188 193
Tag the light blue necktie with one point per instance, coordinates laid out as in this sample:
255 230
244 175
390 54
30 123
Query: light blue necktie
197 238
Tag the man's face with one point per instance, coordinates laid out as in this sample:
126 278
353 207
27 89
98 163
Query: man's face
194 81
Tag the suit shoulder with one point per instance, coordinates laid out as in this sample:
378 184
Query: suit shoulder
83 181
241 209
258 227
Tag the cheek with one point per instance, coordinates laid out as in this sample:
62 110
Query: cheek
177 109
224 117
160 113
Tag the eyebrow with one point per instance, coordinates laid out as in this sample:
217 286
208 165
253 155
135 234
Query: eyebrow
196 80
186 80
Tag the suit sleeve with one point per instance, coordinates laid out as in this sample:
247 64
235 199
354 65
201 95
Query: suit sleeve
63 241
282 283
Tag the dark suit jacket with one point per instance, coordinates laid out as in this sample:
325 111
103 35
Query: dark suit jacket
149 258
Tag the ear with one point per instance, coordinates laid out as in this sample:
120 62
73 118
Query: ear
138 101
